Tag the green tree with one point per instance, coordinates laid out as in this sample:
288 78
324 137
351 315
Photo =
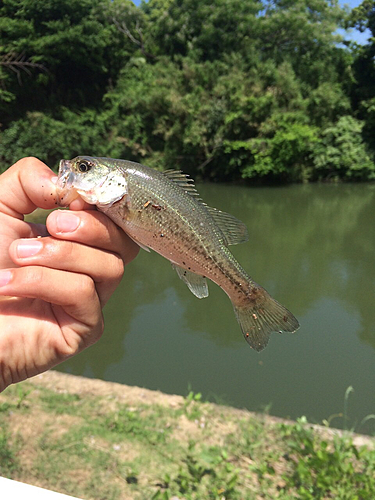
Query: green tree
54 53
363 95
341 152
223 89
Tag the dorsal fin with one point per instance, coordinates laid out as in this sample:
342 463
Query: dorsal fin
184 181
233 229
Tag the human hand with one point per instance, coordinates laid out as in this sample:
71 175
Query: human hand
54 279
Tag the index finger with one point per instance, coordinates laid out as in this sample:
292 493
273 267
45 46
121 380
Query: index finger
94 229
25 186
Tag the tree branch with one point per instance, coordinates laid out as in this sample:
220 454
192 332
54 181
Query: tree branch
124 29
18 63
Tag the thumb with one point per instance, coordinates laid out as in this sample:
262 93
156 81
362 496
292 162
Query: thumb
25 186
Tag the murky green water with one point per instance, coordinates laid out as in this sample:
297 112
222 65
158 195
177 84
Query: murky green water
313 249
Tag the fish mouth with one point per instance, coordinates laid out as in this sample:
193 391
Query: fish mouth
66 191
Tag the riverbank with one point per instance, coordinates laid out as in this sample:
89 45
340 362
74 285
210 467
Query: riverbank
101 440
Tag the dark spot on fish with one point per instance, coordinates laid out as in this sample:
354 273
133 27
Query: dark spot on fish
157 207
285 319
184 263
189 268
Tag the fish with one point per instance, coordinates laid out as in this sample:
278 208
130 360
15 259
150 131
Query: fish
163 211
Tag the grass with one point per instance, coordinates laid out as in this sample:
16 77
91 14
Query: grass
102 447
8 461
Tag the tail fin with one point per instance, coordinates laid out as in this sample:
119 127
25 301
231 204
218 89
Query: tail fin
258 321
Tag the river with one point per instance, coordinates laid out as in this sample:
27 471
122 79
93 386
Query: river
312 247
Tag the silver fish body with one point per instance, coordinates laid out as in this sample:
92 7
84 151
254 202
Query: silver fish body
163 211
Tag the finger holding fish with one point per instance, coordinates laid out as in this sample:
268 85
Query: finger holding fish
53 283
91 228
104 263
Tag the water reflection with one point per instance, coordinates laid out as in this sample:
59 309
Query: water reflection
311 247
318 240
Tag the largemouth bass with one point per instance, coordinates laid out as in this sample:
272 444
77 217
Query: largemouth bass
163 211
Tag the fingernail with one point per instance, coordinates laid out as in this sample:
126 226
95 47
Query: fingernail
5 277
66 222
28 248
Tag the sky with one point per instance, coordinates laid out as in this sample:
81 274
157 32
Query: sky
354 35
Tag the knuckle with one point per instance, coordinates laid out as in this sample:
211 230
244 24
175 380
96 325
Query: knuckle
112 270
117 267
27 161
132 250
56 252
86 287
68 248
33 274
28 164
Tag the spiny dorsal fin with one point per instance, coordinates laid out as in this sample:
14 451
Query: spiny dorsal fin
184 181
233 229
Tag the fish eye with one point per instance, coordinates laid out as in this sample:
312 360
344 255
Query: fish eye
84 166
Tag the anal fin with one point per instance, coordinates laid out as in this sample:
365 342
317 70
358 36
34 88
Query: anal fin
197 284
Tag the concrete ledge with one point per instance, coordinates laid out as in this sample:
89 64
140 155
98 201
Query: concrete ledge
13 490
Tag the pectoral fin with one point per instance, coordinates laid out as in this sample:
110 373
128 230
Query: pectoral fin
196 284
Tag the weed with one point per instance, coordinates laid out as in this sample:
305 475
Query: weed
18 394
132 423
91 451
60 403
321 469
345 416
348 391
193 396
8 462
207 473
192 407
5 407
365 420
22 394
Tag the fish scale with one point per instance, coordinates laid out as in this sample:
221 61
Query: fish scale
162 211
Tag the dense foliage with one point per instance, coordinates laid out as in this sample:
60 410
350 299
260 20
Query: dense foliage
223 89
